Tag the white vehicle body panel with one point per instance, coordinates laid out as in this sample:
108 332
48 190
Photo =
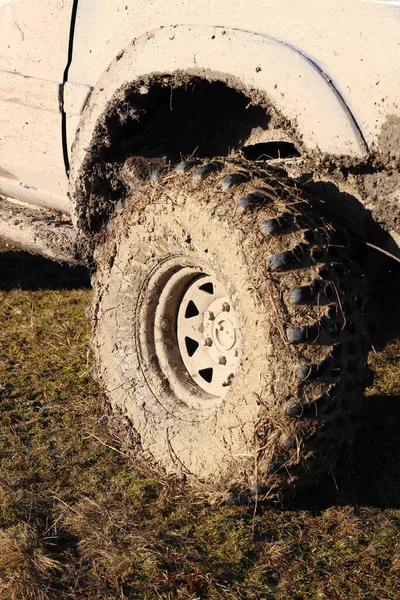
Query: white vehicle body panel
34 38
293 84
356 43
335 65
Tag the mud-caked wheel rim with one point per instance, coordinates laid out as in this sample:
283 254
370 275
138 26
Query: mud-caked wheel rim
197 333
189 334
209 335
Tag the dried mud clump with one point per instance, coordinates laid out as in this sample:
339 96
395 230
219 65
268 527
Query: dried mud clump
164 118
389 142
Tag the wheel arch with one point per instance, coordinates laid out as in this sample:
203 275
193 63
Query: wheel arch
269 72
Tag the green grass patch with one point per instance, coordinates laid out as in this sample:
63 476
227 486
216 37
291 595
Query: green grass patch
80 521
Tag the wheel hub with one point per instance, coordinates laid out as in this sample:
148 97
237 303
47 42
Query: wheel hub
224 334
208 335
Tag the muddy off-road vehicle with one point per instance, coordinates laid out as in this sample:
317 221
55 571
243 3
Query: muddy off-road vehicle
229 171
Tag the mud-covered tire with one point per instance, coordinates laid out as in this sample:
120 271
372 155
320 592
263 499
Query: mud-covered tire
298 298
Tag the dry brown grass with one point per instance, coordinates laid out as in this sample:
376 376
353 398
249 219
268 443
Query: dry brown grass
26 566
80 522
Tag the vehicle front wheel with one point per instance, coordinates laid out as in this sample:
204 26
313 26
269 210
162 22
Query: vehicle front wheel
228 328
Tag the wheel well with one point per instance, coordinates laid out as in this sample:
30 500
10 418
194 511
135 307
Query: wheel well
174 117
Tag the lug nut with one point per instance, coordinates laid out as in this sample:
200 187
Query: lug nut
226 307
206 342
222 360
210 315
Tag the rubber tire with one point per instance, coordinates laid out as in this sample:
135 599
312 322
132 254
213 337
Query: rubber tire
277 429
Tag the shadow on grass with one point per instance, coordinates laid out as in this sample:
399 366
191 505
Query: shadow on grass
21 270
368 470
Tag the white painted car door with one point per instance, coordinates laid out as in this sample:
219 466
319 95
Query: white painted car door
34 37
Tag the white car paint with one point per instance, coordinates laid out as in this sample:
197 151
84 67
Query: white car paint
292 82
342 102
33 52
355 43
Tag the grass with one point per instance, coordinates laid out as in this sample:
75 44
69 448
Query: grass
80 521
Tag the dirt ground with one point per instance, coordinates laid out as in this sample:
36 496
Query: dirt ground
79 520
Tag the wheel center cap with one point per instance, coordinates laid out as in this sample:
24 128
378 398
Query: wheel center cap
223 333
